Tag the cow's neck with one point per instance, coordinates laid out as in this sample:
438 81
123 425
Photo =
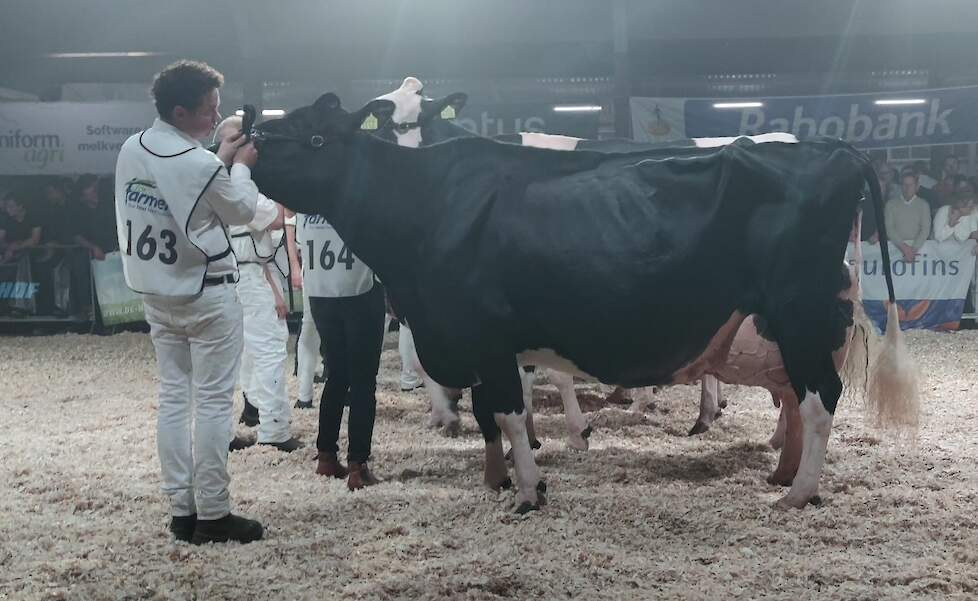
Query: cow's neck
380 204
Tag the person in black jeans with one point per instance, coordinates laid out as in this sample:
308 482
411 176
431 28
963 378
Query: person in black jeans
347 305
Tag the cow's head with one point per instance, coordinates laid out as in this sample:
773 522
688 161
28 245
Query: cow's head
415 119
302 155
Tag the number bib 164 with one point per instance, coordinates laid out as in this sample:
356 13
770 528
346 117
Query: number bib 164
329 267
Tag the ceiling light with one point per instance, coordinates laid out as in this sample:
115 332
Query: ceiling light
101 54
900 101
577 108
737 105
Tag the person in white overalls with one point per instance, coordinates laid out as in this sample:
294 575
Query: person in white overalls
308 347
347 303
266 335
172 200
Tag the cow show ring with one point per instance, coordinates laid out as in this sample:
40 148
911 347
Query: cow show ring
619 501
646 512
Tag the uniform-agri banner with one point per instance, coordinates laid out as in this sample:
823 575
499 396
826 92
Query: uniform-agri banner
117 303
930 291
942 116
66 138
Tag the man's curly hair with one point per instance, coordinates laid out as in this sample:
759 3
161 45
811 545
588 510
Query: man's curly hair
183 83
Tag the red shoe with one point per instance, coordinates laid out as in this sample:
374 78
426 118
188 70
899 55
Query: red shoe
330 466
360 476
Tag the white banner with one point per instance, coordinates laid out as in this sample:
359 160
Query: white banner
117 303
65 138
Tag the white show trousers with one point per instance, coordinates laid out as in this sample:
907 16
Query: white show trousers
198 347
308 351
265 354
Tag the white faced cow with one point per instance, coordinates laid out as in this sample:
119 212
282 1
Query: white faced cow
490 249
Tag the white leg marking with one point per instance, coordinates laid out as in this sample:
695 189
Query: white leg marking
513 426
573 417
816 425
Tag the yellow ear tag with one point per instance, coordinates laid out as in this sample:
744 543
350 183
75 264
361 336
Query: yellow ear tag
448 112
369 123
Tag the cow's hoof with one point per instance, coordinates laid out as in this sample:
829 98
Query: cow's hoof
535 444
718 414
452 429
505 484
789 502
816 501
776 479
526 507
699 428
586 432
541 487
722 404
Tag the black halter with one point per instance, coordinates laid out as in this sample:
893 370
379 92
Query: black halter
315 141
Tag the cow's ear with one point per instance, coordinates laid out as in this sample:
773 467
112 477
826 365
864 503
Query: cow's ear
326 103
446 107
377 112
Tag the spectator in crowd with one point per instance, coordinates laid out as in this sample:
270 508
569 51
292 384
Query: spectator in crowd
93 219
908 219
884 174
23 228
55 213
946 179
958 220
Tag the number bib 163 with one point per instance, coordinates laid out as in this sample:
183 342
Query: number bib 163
329 267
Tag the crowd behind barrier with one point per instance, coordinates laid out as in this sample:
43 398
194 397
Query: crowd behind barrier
59 259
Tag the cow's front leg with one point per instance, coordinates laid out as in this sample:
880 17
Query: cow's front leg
496 474
816 423
578 429
710 405
499 393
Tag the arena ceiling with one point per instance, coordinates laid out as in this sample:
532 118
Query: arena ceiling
296 40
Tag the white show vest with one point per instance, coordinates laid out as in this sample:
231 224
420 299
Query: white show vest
251 246
329 267
160 177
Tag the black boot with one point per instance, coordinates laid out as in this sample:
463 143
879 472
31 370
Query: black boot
288 446
229 528
249 415
183 526
239 444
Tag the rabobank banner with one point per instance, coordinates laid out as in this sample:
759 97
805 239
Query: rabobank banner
930 291
62 138
945 116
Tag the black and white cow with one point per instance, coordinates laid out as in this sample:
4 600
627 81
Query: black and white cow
418 121
490 249
411 120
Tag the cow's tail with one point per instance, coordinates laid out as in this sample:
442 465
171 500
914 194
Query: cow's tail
892 394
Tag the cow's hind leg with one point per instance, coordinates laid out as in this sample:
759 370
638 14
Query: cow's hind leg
444 407
816 423
578 430
710 405
500 390
527 380
789 423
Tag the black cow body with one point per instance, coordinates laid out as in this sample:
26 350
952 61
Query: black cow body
491 249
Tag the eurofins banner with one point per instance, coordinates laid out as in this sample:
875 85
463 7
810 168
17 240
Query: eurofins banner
943 116
930 291
65 138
